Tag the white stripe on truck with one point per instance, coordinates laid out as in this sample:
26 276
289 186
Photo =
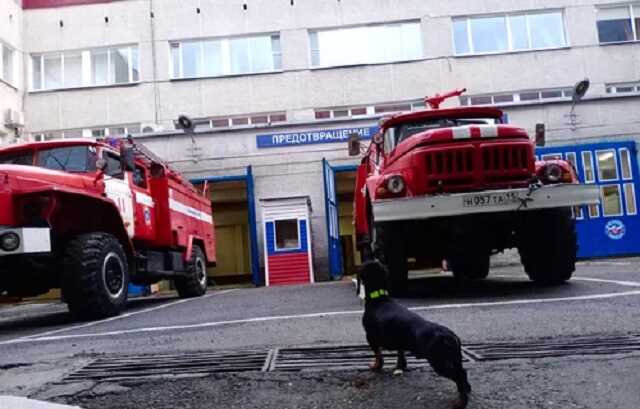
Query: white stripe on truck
190 211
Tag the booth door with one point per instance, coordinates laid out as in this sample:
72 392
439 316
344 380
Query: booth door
611 228
288 252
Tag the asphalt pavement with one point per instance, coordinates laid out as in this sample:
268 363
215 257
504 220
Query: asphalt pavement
40 344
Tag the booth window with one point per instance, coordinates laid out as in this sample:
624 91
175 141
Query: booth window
287 237
630 196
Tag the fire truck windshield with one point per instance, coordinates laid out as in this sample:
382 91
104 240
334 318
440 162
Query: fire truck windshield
75 159
405 131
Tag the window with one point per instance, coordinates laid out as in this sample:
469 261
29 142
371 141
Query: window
114 166
630 199
245 120
85 68
517 97
625 164
68 159
6 63
373 44
587 162
552 156
504 33
623 88
607 169
225 56
139 177
619 24
611 200
287 237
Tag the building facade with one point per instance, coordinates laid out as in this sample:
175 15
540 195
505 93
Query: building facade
276 85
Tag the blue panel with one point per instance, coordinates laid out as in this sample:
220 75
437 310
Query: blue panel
253 231
599 235
271 239
313 137
333 222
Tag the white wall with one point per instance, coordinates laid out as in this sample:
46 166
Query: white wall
11 29
298 90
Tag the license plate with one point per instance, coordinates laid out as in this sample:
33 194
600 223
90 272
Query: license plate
490 199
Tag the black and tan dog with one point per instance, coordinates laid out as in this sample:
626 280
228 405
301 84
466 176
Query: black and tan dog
393 327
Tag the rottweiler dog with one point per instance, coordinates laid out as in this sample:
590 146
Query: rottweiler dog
393 327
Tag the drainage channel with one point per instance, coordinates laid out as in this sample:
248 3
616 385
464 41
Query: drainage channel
354 357
350 357
128 367
556 348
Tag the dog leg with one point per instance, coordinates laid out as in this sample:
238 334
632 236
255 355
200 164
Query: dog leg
401 364
378 362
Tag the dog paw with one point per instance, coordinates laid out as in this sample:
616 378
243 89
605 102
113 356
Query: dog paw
398 372
375 366
459 403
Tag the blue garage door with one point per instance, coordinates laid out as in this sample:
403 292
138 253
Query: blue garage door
333 223
611 228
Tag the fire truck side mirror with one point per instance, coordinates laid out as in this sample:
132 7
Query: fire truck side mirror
127 156
540 134
354 144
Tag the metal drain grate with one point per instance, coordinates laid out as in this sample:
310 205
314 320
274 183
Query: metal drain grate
159 365
352 357
554 348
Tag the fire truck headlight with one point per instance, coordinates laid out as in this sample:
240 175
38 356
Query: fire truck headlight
9 241
553 173
396 184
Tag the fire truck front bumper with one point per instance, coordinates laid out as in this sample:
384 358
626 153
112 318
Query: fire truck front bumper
490 201
24 240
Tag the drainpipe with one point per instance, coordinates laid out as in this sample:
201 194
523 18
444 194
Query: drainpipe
156 92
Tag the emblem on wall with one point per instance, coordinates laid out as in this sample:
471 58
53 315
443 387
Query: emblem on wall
615 229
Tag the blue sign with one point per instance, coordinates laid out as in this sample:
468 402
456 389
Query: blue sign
615 229
313 137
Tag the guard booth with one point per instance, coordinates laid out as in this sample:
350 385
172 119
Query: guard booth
611 228
287 241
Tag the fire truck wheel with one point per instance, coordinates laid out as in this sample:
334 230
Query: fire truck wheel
548 246
96 276
391 240
470 265
194 283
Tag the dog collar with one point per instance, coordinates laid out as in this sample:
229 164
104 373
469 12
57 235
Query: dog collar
378 294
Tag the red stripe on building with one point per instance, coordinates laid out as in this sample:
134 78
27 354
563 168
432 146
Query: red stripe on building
286 269
40 4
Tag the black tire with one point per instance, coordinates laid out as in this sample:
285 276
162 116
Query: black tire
390 244
548 245
96 276
194 282
472 265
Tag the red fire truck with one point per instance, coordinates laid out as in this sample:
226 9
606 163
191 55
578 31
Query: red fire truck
460 185
90 217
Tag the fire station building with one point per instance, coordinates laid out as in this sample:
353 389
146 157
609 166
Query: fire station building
275 87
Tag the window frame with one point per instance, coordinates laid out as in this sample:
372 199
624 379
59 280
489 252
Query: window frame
509 32
86 68
13 80
627 153
630 8
225 52
620 200
615 163
275 236
632 187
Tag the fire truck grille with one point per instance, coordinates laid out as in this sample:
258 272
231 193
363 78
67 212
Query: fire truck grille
461 167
